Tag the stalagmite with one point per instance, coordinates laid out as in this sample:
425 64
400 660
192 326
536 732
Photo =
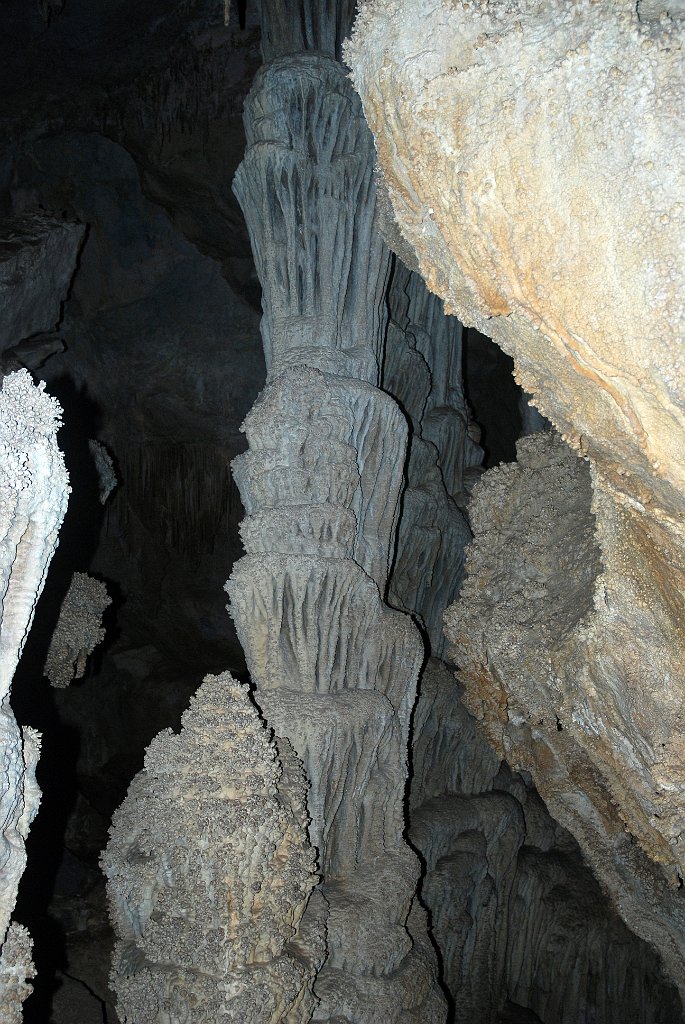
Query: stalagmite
335 668
209 872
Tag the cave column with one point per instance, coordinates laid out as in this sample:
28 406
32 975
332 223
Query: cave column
335 668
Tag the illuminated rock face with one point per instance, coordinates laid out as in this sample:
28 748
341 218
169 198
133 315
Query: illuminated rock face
37 259
533 154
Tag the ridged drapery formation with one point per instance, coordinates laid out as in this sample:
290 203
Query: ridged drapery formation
335 668
519 919
209 872
423 371
315 25
33 500
308 190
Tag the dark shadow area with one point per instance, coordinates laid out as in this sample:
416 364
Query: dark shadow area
493 395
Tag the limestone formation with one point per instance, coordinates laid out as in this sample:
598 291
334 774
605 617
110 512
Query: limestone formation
210 872
518 917
546 658
78 630
503 131
16 968
423 371
33 499
335 668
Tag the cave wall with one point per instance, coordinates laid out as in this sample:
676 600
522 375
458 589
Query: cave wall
165 297
502 134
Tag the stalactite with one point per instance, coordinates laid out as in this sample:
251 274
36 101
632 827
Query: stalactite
423 370
319 26
335 668
307 180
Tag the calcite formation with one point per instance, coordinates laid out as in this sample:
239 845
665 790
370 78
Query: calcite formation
546 658
503 132
335 668
104 465
33 499
78 631
210 871
520 922
422 370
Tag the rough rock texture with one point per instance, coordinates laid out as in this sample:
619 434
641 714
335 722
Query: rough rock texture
107 478
15 970
335 668
209 873
37 258
33 499
538 640
78 631
502 130
422 370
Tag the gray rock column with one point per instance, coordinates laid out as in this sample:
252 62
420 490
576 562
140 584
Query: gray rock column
335 668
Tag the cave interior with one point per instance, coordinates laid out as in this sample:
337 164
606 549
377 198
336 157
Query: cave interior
453 893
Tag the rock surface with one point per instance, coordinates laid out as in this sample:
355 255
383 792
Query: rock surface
547 656
210 871
37 259
501 131
78 631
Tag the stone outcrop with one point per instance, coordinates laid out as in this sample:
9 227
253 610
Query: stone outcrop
78 631
503 882
33 499
335 668
210 871
502 131
536 607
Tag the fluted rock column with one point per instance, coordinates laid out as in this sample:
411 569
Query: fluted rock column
335 668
